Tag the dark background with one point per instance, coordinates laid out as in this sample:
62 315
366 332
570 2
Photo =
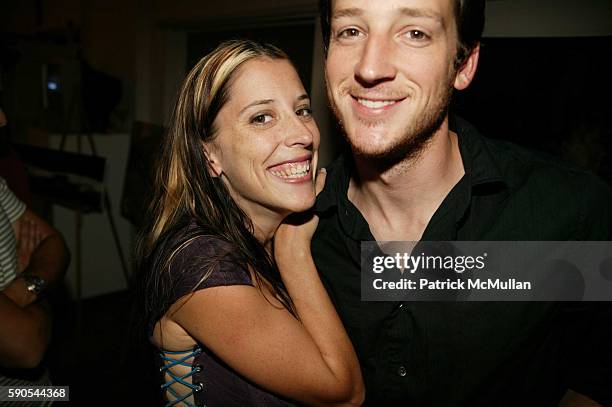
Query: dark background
120 63
550 94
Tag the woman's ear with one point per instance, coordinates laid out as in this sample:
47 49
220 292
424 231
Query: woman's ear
214 163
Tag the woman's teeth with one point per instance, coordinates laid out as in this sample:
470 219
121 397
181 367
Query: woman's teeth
292 170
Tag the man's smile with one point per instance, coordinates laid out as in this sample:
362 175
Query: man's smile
369 106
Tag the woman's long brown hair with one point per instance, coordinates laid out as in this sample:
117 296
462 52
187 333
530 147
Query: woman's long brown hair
186 192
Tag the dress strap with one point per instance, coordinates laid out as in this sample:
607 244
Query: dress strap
176 358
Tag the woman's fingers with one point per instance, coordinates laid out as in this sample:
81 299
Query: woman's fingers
320 180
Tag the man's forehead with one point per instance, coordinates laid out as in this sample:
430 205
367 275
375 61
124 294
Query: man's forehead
418 8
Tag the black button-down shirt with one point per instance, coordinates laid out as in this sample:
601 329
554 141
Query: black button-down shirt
470 353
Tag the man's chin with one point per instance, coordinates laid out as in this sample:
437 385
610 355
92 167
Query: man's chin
385 157
405 150
373 144
381 160
369 153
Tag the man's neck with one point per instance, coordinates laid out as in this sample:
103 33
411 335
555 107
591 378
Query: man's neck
399 202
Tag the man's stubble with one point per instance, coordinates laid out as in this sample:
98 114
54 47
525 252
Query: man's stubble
416 136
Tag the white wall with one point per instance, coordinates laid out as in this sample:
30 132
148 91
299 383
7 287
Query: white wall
101 268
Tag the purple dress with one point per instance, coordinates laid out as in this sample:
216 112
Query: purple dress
214 382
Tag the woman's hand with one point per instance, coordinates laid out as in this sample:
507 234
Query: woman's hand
292 238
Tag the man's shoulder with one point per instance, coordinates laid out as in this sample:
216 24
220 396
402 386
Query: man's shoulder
516 164
520 166
560 188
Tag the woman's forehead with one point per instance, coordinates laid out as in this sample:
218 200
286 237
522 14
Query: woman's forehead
265 78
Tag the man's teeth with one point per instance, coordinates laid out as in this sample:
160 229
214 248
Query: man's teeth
292 170
375 104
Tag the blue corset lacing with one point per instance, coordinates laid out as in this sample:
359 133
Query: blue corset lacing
167 356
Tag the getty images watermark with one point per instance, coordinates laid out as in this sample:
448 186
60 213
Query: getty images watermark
486 271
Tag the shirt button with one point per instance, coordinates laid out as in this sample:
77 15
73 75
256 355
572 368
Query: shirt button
402 371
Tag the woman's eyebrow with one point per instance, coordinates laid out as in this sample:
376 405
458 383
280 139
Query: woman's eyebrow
257 103
303 97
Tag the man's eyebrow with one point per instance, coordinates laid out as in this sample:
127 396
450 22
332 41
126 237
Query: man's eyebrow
257 103
407 11
418 12
347 12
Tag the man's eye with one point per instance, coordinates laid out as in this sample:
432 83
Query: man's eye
417 35
305 112
261 119
349 32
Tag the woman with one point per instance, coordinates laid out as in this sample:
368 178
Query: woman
239 158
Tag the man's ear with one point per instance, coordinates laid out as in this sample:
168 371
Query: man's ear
214 164
466 72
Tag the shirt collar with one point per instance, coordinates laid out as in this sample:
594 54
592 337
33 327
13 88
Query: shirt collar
478 162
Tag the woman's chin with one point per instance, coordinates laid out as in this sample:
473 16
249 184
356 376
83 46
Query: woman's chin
299 205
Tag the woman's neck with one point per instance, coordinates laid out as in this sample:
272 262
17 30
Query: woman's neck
265 223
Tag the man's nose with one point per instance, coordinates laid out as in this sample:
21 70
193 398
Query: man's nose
375 64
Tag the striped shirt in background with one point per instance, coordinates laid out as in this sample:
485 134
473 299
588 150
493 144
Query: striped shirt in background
11 209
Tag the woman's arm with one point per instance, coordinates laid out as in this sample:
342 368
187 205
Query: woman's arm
314 307
311 361
319 318
266 344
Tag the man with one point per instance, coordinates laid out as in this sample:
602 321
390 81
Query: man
416 173
33 257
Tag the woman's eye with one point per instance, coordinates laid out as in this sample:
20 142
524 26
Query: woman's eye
304 112
261 119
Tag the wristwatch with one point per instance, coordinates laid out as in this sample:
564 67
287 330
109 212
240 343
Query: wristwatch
34 284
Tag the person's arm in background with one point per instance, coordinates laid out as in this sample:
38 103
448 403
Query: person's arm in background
41 252
24 335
